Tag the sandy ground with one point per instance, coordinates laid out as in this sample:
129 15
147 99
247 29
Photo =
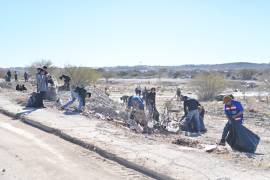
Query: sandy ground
27 153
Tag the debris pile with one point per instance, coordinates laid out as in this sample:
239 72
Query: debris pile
102 105
6 85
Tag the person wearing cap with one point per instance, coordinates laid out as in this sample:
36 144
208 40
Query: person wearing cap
234 112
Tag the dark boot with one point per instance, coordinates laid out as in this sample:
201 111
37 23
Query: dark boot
222 142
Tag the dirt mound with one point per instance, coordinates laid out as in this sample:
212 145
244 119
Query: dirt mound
6 85
102 104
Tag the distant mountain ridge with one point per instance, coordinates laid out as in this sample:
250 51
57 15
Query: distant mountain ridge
218 67
222 67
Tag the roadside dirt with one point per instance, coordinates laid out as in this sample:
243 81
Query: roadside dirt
39 155
190 148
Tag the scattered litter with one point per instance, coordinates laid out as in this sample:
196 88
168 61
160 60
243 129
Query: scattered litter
187 142
216 149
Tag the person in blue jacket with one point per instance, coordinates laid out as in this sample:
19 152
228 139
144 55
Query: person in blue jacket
135 102
136 107
234 112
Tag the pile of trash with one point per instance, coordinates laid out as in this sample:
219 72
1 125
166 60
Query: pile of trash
103 106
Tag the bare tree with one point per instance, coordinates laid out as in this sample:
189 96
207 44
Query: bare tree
39 64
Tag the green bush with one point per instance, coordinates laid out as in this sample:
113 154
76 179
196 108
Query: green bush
2 74
208 85
81 76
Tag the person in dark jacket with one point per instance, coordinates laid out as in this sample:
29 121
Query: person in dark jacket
16 76
234 112
20 87
77 93
151 99
25 75
145 94
124 99
67 80
49 77
8 76
191 109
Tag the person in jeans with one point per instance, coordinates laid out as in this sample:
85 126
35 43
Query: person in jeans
234 112
25 75
8 76
191 108
202 126
77 93
42 85
137 115
151 98
16 76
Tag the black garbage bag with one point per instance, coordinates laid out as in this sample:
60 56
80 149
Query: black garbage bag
35 100
242 139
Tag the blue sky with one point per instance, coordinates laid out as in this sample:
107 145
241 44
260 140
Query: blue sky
131 32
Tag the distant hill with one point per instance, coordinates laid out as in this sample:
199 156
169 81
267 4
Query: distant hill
222 67
145 68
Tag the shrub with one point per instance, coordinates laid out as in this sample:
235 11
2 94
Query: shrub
247 74
107 75
81 76
2 74
208 85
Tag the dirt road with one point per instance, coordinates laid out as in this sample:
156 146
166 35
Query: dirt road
28 153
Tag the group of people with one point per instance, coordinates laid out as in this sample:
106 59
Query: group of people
43 79
143 99
193 111
136 104
194 115
8 76
136 107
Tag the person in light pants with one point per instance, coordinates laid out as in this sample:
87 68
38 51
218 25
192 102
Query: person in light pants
80 94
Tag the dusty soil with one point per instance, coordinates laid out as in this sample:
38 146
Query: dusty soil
39 155
258 120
